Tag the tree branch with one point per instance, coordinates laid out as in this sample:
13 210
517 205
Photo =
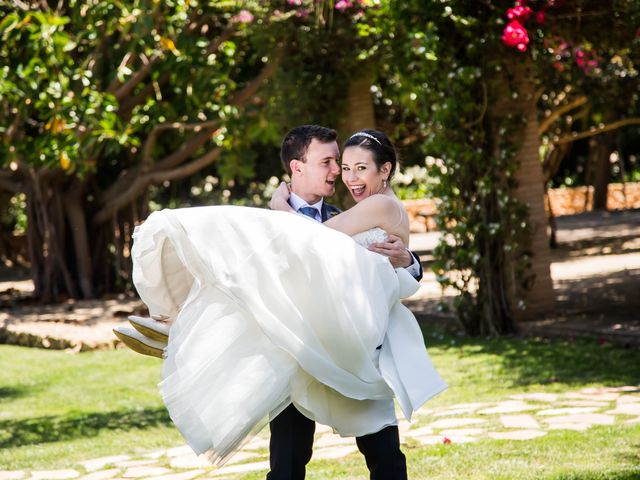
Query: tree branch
155 177
122 92
596 131
136 180
547 122
6 184
484 108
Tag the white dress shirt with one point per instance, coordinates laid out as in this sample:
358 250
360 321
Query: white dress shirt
297 203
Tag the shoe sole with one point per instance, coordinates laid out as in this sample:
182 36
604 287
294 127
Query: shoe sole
137 346
149 332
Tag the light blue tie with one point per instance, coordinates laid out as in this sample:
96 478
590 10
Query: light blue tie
309 211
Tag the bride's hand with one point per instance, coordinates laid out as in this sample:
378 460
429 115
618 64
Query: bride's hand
280 198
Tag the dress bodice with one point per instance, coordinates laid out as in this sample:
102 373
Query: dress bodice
373 235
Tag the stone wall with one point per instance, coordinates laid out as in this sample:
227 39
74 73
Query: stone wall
564 201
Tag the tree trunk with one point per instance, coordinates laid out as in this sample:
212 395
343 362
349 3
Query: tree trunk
358 114
74 200
540 298
600 148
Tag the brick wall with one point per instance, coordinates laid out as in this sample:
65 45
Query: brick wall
564 201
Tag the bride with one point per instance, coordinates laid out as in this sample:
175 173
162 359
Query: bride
272 309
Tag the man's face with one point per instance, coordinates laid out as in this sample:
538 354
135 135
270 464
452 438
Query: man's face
316 177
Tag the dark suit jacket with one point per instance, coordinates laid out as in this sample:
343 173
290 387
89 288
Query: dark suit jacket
329 211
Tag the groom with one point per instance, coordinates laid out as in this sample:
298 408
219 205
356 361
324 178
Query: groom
310 155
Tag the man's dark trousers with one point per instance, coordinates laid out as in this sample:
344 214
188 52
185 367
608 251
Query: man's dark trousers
291 447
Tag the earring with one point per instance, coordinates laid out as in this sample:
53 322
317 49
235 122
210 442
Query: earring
384 183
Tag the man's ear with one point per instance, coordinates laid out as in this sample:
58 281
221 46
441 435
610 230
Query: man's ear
295 166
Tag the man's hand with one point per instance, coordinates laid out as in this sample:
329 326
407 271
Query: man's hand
395 249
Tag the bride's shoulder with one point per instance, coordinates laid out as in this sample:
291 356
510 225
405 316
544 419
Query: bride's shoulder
381 202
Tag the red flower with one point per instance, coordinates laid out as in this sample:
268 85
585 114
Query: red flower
519 12
515 35
540 16
446 440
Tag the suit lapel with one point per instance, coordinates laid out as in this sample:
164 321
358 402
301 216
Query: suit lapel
328 211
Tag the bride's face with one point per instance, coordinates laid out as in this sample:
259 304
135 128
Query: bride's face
361 174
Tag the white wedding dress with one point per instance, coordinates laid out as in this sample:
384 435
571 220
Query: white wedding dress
272 308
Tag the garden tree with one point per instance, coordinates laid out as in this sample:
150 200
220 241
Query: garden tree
453 82
592 91
102 100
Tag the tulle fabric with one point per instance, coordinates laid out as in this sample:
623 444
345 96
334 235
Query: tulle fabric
272 308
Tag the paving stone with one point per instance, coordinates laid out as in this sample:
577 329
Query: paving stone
570 426
460 409
537 397
11 474
461 432
629 399
451 413
145 471
101 474
519 421
633 421
474 405
135 463
191 460
54 474
460 438
243 468
509 406
404 426
431 439
179 451
156 454
590 418
517 435
626 409
98 463
334 452
419 432
586 403
330 440
568 411
629 388
604 396
323 428
178 476
242 456
259 443
456 422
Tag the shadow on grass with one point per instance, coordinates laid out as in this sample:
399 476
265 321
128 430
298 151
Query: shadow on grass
32 431
541 361
7 393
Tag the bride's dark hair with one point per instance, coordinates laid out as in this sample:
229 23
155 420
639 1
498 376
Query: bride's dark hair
378 144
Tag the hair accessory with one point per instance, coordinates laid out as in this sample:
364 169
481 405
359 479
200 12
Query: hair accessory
367 135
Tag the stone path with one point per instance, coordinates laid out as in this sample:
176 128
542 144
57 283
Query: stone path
520 417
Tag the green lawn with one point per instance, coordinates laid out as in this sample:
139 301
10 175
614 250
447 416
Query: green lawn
57 409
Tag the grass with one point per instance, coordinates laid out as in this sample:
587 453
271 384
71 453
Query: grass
57 409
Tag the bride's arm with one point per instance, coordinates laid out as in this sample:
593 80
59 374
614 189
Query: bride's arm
374 211
280 199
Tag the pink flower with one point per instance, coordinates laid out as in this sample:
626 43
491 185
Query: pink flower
540 16
343 5
244 16
520 13
515 35
295 3
446 440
